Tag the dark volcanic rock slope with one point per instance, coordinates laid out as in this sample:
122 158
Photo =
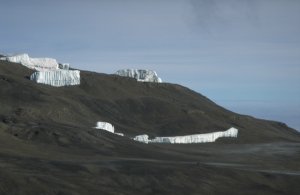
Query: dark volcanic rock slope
48 145
133 107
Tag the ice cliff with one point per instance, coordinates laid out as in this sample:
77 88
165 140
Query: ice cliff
142 138
49 71
188 139
107 127
39 64
57 78
140 75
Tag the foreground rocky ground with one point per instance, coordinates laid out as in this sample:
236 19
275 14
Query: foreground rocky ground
135 168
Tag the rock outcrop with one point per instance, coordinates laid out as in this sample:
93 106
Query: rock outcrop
140 75
57 78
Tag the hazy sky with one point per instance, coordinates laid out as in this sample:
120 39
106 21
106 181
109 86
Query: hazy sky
243 54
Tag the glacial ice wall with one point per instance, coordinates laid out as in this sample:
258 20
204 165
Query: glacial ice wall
142 138
39 64
188 139
57 78
140 75
105 126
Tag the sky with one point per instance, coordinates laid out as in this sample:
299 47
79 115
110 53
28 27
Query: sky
242 54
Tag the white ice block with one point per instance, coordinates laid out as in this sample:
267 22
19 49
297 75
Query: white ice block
140 75
57 78
105 126
39 64
188 139
142 138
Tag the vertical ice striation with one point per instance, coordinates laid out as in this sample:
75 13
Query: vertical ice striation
188 139
39 64
140 75
57 78
49 71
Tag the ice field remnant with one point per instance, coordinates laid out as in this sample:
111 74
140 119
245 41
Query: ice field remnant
39 64
141 75
142 138
107 127
185 139
49 71
57 78
188 139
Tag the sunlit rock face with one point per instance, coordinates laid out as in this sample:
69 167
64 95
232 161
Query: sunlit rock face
57 78
39 64
188 139
140 75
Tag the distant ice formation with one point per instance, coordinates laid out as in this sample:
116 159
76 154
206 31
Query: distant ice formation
188 139
57 78
142 138
120 134
140 75
39 64
49 71
107 127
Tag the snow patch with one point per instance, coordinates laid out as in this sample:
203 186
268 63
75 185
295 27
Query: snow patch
140 75
120 134
188 139
57 78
